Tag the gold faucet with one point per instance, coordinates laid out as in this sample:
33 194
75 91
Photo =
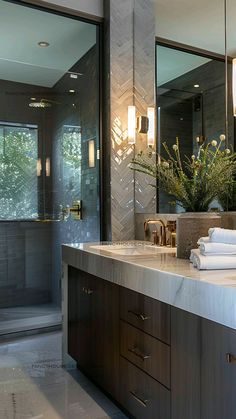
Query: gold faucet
155 237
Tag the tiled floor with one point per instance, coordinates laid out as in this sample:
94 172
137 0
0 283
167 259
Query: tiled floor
15 319
33 385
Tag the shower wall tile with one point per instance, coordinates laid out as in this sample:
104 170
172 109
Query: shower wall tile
85 115
25 263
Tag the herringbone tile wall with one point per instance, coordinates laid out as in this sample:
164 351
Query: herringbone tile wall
144 90
132 69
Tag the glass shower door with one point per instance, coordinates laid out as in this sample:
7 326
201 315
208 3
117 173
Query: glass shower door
49 152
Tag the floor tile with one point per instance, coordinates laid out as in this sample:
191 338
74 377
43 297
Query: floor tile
33 385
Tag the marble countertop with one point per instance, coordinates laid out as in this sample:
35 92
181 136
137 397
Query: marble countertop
209 294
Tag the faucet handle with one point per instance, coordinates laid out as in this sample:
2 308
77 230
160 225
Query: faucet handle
171 226
156 238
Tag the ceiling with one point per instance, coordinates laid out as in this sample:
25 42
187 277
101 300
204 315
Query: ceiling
94 7
22 60
172 63
197 23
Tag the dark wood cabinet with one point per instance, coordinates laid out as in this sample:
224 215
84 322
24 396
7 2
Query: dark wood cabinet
203 368
104 337
148 353
145 313
157 361
185 365
218 372
79 319
141 395
93 328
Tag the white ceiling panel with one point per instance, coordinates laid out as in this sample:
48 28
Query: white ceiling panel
94 7
22 60
197 23
173 63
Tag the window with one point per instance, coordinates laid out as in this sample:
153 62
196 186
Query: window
18 171
71 159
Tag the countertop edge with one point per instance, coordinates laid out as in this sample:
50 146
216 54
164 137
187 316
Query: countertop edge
214 302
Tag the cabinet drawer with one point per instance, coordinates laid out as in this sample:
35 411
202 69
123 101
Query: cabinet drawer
142 396
147 314
148 353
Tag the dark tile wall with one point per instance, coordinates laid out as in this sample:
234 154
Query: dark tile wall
176 121
25 247
25 263
85 113
187 113
30 252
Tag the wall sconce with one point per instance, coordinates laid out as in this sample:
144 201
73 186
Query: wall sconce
142 124
39 167
151 127
48 167
234 85
131 124
91 153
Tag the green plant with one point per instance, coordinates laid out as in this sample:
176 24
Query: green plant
193 182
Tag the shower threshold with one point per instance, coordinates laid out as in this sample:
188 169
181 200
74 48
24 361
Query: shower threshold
26 318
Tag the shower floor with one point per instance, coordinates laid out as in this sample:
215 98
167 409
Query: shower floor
26 318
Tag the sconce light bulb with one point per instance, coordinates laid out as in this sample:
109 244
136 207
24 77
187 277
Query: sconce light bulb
234 85
131 124
151 126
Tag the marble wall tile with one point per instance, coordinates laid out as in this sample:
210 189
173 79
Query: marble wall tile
130 45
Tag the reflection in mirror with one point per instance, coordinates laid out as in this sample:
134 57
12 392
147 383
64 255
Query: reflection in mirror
191 102
190 77
49 110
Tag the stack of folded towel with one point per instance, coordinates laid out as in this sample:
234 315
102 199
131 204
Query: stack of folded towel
216 251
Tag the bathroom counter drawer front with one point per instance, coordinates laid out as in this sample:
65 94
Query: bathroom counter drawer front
145 351
147 314
141 395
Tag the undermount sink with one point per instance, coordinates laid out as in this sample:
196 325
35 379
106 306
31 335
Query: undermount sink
133 250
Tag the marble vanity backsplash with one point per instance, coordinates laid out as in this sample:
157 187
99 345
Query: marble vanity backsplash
228 221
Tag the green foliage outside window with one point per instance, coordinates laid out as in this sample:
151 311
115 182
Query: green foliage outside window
18 174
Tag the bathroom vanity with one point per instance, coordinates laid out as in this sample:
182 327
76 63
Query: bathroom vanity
154 333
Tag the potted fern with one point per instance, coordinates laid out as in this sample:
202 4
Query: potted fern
194 183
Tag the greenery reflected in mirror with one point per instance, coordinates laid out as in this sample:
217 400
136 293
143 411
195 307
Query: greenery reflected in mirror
191 103
71 162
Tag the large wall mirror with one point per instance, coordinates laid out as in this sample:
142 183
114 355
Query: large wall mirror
193 88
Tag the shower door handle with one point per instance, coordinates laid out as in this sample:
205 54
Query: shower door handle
76 210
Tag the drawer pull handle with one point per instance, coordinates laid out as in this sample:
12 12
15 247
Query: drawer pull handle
139 315
139 354
87 291
231 359
138 399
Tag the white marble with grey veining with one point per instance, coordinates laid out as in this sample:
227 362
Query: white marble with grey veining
209 294
34 384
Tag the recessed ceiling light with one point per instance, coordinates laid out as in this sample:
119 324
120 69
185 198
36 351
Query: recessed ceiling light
33 98
73 76
43 44
196 85
71 91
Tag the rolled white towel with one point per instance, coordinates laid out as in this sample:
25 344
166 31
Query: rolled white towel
222 235
194 255
202 262
203 240
217 249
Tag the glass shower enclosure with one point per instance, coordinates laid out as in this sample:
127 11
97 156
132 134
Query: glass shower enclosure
49 155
